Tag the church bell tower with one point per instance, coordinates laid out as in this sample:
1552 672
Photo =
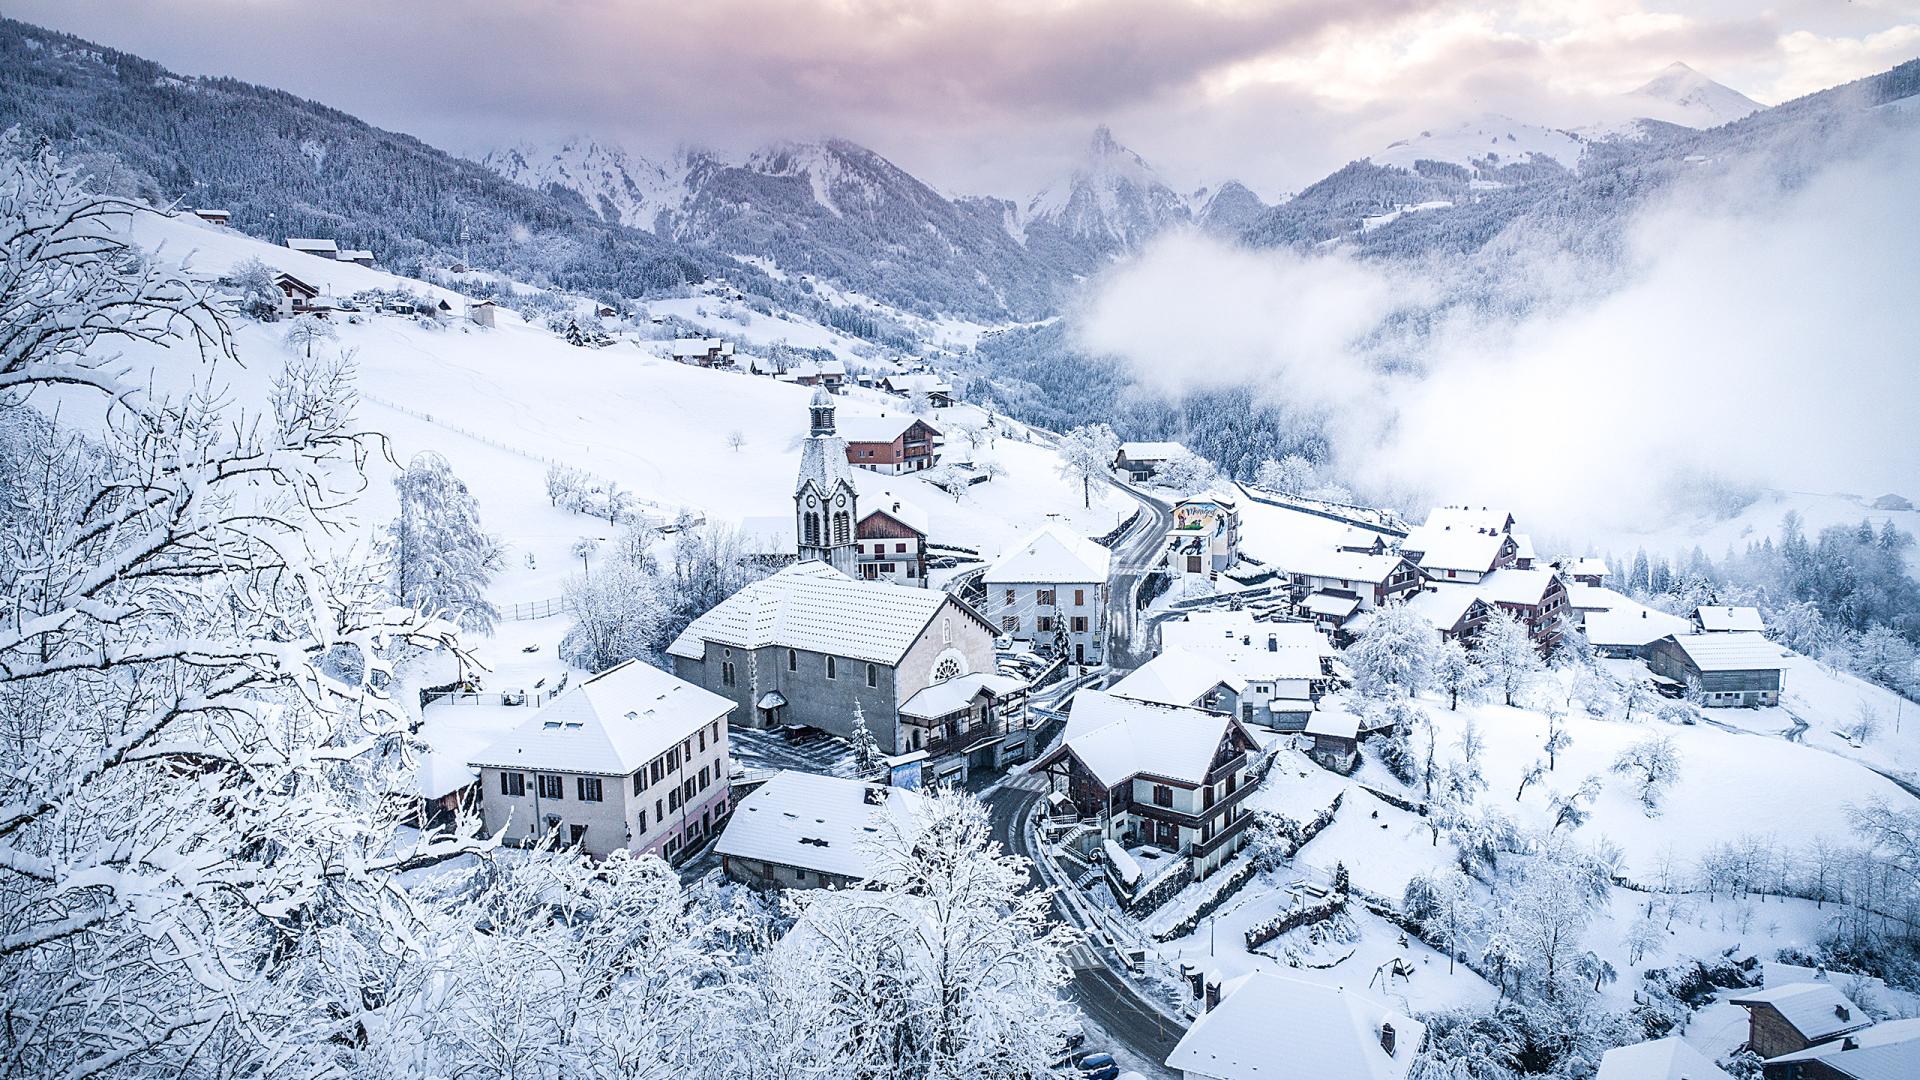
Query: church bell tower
826 505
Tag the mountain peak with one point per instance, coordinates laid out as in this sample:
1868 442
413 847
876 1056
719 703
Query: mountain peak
1103 142
1682 95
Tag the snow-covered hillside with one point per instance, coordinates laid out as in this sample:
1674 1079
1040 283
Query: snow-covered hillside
1486 144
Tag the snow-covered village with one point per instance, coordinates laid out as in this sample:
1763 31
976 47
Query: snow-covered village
532 551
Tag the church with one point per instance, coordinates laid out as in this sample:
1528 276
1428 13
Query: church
814 645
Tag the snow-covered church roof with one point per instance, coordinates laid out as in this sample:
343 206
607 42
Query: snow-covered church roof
814 607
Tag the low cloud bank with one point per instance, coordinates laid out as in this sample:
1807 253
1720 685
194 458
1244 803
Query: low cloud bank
1754 337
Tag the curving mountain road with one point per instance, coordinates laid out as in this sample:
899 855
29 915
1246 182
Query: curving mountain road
1138 551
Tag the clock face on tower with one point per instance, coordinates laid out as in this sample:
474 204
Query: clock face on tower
842 500
810 500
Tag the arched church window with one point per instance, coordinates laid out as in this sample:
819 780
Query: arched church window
842 527
947 668
813 529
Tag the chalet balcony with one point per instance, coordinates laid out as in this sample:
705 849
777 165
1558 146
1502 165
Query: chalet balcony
1222 838
1180 817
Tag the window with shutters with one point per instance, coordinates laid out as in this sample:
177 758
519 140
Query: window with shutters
1079 597
703 740
576 834
640 781
673 799
513 783
552 787
588 788
1162 795
1044 598
1009 623
1079 624
643 821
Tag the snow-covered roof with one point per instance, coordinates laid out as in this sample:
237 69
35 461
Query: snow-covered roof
1815 1009
1052 555
1178 677
1632 626
946 698
1721 620
312 246
1264 1022
922 382
1587 566
1522 546
814 607
1885 1051
822 823
1333 604
697 346
1118 737
1671 1058
1257 651
1333 723
1730 652
1443 607
1443 547
880 429
1594 597
1523 587
284 278
902 511
359 255
823 461
611 723
1151 451
1346 565
1469 518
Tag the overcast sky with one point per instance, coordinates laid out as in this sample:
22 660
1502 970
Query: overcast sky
992 96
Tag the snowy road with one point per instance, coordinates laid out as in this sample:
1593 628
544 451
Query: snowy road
1137 1035
1135 555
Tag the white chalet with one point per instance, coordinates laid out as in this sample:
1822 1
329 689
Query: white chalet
1283 666
1265 1025
1050 591
802 831
630 758
325 249
1184 677
1140 460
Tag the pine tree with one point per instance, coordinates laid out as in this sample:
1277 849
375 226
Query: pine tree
867 756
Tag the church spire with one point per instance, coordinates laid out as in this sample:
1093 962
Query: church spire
821 410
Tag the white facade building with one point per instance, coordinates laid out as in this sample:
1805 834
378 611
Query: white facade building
630 758
1050 593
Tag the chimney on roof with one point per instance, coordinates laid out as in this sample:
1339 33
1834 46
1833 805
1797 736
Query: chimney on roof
1386 1038
1849 1043
1841 1012
1246 639
1211 997
1273 643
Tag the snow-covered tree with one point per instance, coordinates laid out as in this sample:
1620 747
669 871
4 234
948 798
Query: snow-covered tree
200 736
1637 699
947 967
442 560
252 279
736 439
1456 673
1558 738
1186 472
306 331
948 479
1507 654
618 614
1652 765
970 433
1086 454
1290 475
918 403
1394 657
867 756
